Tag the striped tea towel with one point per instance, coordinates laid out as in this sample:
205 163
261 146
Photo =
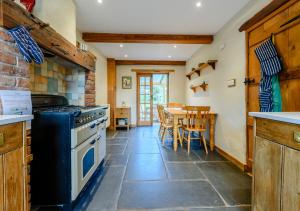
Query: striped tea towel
26 44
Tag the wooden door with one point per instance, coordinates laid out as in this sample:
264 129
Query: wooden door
267 186
1 184
13 180
287 42
144 99
291 180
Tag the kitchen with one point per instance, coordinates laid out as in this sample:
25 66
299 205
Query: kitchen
88 85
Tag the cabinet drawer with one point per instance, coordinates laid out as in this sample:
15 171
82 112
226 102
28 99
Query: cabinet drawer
12 137
280 132
122 112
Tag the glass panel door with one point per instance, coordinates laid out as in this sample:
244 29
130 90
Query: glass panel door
160 92
145 111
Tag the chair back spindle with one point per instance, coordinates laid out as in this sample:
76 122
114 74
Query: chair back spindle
197 116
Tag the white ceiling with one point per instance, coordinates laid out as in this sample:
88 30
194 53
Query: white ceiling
147 51
154 17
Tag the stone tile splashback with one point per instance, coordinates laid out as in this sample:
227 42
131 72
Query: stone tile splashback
53 78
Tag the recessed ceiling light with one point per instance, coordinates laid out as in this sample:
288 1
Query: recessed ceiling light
175 46
100 1
169 56
121 45
198 4
125 55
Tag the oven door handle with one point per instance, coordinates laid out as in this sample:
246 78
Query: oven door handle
93 142
93 126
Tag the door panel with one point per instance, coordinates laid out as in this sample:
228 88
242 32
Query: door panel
1 184
267 164
294 47
282 45
290 95
144 95
13 180
291 180
254 66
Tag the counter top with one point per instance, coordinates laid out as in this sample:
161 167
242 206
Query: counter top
289 117
8 119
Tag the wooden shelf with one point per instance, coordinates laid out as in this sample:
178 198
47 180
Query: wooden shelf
200 67
203 86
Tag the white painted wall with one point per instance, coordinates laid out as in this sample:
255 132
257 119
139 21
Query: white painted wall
229 103
176 86
61 15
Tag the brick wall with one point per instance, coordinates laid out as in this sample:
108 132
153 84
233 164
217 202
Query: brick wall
90 90
14 71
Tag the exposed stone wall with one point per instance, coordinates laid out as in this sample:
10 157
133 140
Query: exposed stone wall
14 71
90 89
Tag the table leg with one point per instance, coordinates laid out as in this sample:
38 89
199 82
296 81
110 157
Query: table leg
212 122
175 129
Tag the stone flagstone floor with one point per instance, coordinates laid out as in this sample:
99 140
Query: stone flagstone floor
142 175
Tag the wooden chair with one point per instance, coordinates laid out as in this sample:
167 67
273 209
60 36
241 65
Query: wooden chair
175 105
166 124
196 121
160 117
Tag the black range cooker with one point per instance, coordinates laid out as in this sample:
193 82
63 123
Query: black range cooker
68 145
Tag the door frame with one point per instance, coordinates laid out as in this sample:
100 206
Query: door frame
138 99
149 72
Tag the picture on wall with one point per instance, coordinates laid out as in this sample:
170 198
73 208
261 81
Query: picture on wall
126 82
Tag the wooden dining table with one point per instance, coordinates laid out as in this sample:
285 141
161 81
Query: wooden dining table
178 113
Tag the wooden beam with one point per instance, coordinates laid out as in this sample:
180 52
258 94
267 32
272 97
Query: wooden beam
147 38
274 5
150 62
153 71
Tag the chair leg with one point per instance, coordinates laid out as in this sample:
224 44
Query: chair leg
204 142
179 137
163 136
159 131
189 142
200 138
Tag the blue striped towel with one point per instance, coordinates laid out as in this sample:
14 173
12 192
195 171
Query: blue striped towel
268 58
26 44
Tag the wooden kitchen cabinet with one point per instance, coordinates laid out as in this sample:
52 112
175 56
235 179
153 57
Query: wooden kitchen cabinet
291 180
13 194
276 166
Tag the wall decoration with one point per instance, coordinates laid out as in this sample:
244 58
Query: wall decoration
126 82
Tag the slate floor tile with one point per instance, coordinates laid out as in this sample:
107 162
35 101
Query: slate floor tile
143 146
117 160
230 182
145 167
106 196
184 171
157 195
181 155
211 156
238 208
115 148
117 141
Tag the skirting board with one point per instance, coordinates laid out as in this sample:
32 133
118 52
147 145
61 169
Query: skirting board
230 158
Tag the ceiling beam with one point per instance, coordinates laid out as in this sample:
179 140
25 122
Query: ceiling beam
150 62
147 38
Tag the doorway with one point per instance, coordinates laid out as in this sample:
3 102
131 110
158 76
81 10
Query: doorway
152 89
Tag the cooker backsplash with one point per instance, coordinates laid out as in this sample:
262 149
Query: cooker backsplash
53 78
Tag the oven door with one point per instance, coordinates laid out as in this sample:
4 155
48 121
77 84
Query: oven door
84 163
102 139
